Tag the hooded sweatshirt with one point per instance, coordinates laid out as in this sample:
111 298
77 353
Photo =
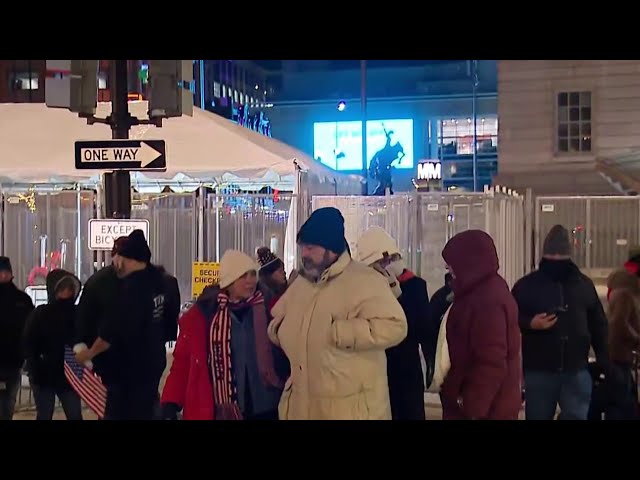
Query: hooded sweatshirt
483 335
15 307
49 328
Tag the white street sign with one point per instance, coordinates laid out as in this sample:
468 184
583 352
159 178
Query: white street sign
102 233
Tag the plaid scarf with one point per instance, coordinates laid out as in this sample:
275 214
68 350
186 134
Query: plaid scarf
225 394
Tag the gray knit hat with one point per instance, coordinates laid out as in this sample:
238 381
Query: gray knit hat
557 242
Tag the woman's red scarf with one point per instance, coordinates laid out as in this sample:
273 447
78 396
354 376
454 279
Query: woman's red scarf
225 394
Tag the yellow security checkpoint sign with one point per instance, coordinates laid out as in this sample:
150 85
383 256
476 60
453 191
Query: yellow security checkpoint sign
204 275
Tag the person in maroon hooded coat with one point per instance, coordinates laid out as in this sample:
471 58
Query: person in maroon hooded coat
483 335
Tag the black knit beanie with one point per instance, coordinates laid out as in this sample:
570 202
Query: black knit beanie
136 247
324 228
118 244
557 242
5 265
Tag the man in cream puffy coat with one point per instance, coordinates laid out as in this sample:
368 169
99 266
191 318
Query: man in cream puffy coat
334 323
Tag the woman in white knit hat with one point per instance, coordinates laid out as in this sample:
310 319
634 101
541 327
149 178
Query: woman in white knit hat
223 364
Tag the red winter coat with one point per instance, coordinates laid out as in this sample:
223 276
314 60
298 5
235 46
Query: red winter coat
189 382
483 336
630 266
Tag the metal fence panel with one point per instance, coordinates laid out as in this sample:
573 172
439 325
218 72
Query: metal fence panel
443 215
602 228
245 222
571 212
423 223
393 213
614 227
172 233
47 230
434 230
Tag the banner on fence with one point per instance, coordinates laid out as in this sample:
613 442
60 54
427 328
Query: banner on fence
204 275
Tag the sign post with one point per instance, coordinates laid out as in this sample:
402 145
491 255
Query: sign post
103 233
140 155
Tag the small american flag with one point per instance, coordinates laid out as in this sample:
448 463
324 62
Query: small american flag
86 384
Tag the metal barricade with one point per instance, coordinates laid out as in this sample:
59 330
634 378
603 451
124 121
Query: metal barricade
423 223
45 230
245 222
172 232
602 228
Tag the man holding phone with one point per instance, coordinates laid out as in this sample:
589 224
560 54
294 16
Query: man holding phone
561 318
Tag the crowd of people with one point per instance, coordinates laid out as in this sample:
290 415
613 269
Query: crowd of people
125 315
339 339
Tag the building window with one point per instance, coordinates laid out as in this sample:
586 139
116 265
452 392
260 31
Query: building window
574 122
455 136
216 90
24 81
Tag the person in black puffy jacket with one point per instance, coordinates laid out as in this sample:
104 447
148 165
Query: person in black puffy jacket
15 307
49 329
561 318
134 335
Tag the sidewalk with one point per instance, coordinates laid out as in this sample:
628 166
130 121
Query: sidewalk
431 401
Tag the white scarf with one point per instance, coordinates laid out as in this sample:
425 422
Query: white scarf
443 361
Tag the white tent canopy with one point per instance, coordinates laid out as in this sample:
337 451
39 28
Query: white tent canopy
37 146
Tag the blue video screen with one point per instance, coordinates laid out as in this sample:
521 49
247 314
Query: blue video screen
338 145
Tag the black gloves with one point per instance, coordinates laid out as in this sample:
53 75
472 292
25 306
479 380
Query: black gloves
170 411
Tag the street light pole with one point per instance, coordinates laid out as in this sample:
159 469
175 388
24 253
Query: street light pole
474 78
363 106
117 184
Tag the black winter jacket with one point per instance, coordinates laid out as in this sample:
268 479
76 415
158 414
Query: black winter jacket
136 331
49 329
97 304
171 306
404 369
559 286
15 307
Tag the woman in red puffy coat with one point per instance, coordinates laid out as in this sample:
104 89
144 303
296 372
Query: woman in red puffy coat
483 336
224 366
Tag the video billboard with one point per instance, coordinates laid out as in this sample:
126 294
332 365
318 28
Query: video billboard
339 144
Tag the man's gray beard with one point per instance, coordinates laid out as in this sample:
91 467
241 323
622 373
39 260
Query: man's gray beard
314 272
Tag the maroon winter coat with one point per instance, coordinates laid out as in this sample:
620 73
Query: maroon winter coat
483 335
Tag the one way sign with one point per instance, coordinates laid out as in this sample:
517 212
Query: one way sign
145 155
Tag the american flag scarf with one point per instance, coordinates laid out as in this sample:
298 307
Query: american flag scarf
225 393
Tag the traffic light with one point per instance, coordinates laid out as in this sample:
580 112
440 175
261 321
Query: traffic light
170 88
72 84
